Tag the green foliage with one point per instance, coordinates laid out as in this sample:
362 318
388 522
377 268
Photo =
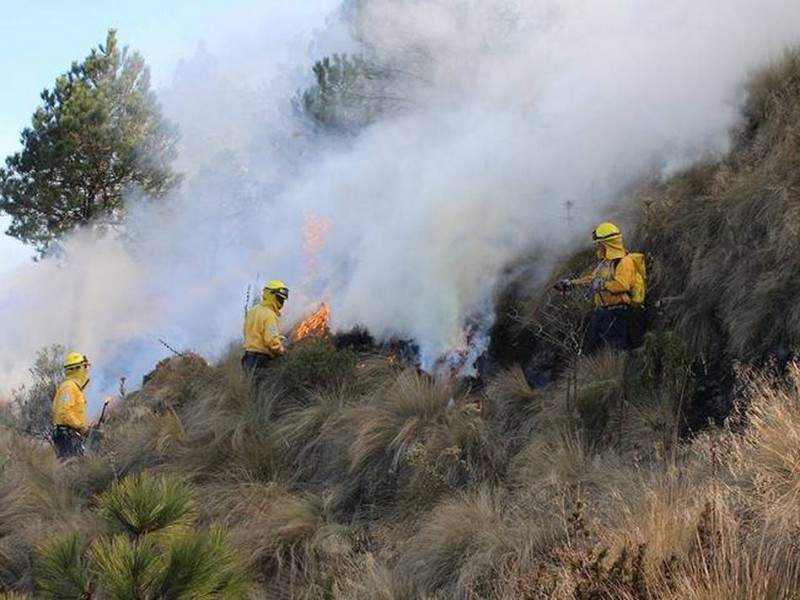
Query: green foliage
662 364
203 565
155 556
346 95
142 503
32 405
98 136
126 569
61 569
316 364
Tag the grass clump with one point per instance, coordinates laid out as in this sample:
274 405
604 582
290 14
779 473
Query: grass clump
289 538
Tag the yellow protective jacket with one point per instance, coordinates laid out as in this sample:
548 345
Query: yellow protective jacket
617 271
262 327
69 403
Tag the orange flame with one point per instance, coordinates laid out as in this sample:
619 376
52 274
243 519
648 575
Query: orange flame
314 232
315 325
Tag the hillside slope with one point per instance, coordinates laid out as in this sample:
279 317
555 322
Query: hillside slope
348 474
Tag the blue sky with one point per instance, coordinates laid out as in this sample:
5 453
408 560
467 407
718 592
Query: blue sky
39 39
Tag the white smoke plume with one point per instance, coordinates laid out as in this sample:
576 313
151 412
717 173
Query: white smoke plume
510 109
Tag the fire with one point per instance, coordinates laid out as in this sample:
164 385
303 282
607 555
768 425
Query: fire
314 232
315 325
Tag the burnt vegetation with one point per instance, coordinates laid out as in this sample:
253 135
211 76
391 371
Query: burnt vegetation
348 473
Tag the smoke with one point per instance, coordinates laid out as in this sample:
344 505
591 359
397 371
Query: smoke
509 109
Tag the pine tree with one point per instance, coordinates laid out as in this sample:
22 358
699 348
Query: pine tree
348 94
98 136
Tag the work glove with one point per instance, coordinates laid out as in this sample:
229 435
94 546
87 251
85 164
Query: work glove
598 285
286 342
563 285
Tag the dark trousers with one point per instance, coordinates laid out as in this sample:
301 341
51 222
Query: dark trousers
609 328
638 323
252 362
67 441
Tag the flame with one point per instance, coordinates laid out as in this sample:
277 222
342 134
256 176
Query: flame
315 325
314 232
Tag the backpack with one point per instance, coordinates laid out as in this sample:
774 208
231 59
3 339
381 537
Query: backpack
639 288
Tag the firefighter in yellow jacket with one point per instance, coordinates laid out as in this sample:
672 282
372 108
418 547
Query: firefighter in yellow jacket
611 282
68 413
262 328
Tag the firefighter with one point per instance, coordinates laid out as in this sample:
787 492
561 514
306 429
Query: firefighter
612 282
68 413
262 328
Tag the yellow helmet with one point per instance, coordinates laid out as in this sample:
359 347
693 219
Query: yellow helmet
278 288
75 360
605 232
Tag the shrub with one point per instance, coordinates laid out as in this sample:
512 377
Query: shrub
457 453
315 364
126 568
156 555
142 504
61 569
203 565
32 405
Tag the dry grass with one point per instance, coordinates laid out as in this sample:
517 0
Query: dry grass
463 547
301 433
726 236
460 543
288 537
369 579
37 500
513 406
365 448
575 511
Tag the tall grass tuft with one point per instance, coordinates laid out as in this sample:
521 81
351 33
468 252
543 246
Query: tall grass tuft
366 450
300 434
457 545
513 406
287 537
